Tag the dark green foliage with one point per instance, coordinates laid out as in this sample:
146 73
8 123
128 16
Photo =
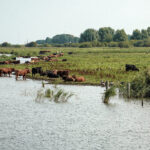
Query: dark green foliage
140 86
120 35
48 40
31 44
64 38
136 35
144 34
106 34
85 45
89 35
109 93
124 44
148 31
5 44
40 41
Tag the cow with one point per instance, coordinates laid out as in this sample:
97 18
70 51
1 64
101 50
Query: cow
70 53
131 67
51 74
68 78
22 73
15 62
62 73
36 70
64 59
6 71
78 79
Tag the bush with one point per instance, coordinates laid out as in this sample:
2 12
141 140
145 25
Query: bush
31 44
85 45
124 44
5 44
139 44
113 44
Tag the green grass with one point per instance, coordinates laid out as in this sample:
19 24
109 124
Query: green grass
95 64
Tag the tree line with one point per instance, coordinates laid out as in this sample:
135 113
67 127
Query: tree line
104 37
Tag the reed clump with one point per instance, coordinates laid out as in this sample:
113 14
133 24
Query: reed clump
55 94
108 94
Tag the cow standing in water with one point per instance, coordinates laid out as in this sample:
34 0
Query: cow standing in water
6 71
22 73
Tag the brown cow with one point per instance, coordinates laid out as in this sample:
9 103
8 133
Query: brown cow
6 71
22 73
68 78
78 79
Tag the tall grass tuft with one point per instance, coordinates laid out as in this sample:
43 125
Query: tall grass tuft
55 94
109 93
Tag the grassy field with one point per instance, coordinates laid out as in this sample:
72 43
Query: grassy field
95 64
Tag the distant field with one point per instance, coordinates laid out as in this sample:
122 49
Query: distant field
95 64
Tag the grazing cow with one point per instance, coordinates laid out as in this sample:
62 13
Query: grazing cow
15 62
51 74
68 78
62 73
70 53
64 59
78 79
6 71
36 70
131 67
42 73
27 62
22 73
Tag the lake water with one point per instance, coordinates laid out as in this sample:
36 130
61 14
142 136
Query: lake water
83 123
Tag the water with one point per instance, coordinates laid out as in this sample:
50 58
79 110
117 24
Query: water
23 60
83 123
5 54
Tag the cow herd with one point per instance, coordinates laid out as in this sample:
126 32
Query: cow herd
64 74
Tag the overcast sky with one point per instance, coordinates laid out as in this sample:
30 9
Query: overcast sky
30 20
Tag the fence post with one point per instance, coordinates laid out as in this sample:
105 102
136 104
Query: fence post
128 89
107 85
142 103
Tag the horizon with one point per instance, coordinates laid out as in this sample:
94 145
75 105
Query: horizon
24 21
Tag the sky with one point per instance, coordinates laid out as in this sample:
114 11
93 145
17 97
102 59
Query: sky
22 21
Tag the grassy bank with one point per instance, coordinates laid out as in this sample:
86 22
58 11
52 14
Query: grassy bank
95 64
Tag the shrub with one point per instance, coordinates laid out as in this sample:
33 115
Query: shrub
31 44
85 45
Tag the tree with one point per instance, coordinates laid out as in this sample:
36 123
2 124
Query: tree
89 35
5 44
148 31
31 44
48 40
120 35
144 34
64 38
136 35
40 41
106 34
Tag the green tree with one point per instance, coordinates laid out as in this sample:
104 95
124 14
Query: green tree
148 31
48 40
5 44
89 35
120 35
144 34
64 38
136 35
31 44
106 34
